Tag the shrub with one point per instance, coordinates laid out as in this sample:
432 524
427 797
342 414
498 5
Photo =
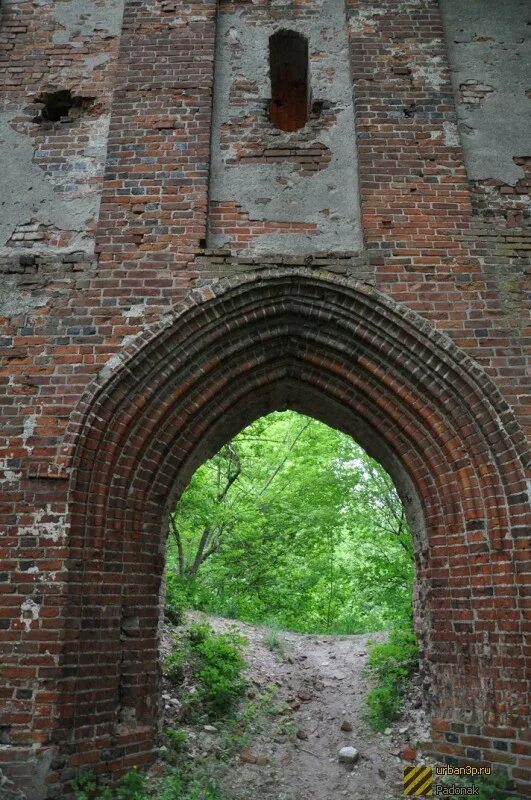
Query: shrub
176 737
221 665
214 664
391 665
177 598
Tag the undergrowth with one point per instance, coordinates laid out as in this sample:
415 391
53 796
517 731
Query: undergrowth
197 778
211 665
176 785
390 665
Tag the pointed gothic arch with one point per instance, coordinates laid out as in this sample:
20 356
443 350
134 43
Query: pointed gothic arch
336 350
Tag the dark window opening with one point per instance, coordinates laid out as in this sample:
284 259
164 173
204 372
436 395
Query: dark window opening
290 93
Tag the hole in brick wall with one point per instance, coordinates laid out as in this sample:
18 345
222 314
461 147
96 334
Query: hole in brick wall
290 91
5 734
61 105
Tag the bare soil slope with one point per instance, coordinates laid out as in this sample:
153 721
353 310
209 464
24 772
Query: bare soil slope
317 689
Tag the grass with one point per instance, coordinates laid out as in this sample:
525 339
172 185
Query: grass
390 665
275 643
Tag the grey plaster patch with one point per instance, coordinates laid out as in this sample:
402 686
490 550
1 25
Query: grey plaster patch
490 42
242 53
29 196
451 134
432 74
91 62
137 310
30 423
47 524
362 18
14 301
85 18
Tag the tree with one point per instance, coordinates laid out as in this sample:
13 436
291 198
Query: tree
291 520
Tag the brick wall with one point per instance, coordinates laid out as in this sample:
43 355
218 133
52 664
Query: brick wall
131 352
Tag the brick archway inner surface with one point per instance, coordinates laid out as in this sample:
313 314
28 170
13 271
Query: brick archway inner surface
343 353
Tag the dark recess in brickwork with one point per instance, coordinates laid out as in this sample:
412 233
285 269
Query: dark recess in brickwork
290 91
61 105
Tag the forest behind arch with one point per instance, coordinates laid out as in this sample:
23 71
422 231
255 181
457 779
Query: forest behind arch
292 525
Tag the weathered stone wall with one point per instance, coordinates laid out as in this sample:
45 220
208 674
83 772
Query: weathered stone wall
130 351
489 47
276 192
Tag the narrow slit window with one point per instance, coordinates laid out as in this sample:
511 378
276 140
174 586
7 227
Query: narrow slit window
290 93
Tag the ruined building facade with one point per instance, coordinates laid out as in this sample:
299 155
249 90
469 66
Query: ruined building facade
213 210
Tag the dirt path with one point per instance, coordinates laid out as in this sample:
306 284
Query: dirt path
319 681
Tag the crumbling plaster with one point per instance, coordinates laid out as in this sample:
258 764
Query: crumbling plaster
490 42
29 195
255 186
50 193
81 18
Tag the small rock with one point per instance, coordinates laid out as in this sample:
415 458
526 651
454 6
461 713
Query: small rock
304 696
382 773
210 728
388 731
261 761
247 757
295 706
404 729
348 755
301 734
346 726
408 754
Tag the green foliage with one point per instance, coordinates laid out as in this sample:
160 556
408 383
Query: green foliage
191 784
292 519
214 664
132 786
178 597
176 737
491 787
391 665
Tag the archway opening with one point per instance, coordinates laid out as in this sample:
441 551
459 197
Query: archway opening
288 546
292 525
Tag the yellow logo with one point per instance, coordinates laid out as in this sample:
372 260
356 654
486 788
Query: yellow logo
418 781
